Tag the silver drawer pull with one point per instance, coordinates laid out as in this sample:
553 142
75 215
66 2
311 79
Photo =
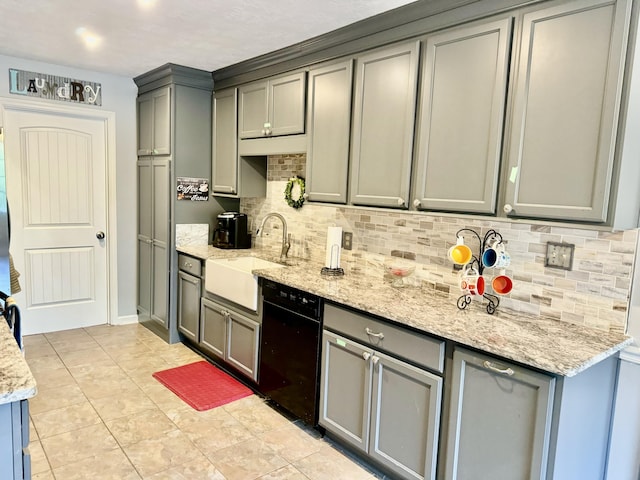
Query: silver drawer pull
188 264
372 334
375 360
366 355
503 371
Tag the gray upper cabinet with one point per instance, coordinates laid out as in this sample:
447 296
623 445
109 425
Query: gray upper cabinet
568 82
154 122
225 142
329 121
383 126
499 420
272 107
464 83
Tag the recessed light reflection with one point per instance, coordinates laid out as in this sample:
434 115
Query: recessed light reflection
146 4
90 39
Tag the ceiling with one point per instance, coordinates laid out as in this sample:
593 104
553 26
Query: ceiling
130 37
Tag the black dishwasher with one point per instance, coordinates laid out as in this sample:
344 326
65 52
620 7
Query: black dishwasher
290 350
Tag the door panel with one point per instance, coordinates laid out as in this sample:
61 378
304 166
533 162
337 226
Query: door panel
213 328
405 416
345 389
566 104
464 91
56 186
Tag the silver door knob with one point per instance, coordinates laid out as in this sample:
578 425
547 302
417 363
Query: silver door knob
100 235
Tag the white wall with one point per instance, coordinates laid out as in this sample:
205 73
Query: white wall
118 96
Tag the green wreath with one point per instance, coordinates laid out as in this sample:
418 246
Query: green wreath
289 190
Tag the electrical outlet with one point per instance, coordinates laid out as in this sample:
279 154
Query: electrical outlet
559 255
347 240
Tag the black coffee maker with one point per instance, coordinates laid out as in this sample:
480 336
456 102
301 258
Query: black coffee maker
231 231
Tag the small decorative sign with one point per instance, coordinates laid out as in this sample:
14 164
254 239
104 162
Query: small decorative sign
52 87
194 189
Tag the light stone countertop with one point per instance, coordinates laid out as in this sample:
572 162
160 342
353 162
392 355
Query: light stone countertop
550 345
16 380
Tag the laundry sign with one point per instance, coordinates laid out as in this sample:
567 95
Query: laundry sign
53 87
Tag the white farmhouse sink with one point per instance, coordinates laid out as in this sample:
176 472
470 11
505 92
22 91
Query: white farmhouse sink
231 278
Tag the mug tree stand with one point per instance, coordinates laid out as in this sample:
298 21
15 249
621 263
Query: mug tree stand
465 300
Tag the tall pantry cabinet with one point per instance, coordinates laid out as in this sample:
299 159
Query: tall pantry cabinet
174 140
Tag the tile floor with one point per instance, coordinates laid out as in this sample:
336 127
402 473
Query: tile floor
99 414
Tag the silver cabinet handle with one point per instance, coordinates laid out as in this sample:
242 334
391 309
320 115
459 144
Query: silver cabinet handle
366 355
417 203
400 201
372 334
375 360
188 264
503 371
507 208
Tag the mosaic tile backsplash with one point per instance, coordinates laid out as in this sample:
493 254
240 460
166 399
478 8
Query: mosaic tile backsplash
595 293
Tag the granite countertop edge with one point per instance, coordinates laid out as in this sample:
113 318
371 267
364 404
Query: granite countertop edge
16 380
547 344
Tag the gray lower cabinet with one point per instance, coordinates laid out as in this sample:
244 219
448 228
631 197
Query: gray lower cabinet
230 337
464 84
329 126
189 294
565 110
225 142
380 405
499 420
15 459
153 239
213 328
383 126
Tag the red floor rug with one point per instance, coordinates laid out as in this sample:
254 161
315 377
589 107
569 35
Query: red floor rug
202 385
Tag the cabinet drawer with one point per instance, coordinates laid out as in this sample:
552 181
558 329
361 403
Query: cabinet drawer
190 264
381 335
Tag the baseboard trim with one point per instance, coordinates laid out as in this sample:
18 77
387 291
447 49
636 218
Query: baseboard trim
125 320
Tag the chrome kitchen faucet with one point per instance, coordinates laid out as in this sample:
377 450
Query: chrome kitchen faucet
286 238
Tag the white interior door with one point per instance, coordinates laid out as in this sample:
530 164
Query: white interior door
56 176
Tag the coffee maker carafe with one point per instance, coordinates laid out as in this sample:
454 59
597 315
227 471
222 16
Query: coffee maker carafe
231 231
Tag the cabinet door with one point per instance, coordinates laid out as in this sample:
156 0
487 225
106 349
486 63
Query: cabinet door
189 305
160 241
154 122
145 202
225 142
242 351
252 109
345 389
213 328
566 102
384 115
329 120
464 85
145 124
499 420
405 418
162 121
286 104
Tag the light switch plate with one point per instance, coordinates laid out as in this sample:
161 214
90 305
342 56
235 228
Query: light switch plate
559 255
